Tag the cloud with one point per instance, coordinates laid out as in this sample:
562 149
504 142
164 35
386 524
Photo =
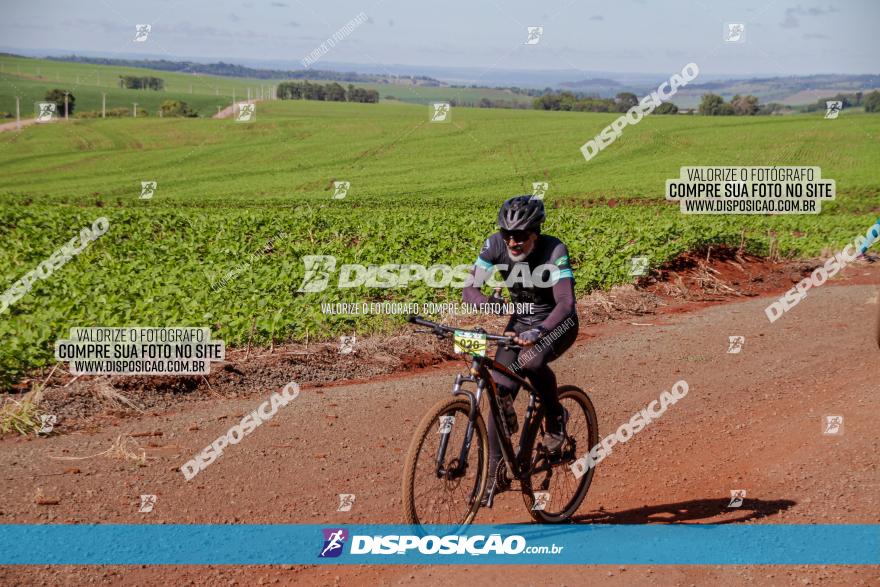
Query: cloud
816 11
189 30
792 14
278 4
104 25
596 17
816 36
293 23
234 18
790 21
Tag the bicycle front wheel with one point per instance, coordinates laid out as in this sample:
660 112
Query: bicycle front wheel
442 482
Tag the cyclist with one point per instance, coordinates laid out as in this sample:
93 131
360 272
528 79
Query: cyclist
518 248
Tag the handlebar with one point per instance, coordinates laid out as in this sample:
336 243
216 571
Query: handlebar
443 330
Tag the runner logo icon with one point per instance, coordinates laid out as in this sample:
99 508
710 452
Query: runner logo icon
334 539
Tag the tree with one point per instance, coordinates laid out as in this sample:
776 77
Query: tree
711 105
566 101
334 93
133 82
872 102
625 101
745 105
546 102
176 108
57 96
666 108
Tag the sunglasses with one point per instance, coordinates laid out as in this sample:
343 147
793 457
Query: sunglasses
518 236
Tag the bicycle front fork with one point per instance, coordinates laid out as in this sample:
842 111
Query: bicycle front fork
460 468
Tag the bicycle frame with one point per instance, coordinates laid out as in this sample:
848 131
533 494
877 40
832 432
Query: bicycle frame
480 374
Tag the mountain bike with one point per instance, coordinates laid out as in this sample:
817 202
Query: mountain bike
446 471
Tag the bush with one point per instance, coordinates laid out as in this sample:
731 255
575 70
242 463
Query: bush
711 105
744 105
57 96
872 102
666 108
176 108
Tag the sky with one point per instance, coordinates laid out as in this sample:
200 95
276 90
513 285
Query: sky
623 36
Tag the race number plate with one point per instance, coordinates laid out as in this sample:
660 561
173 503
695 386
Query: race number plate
472 343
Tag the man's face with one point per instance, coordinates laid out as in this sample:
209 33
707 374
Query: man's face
520 243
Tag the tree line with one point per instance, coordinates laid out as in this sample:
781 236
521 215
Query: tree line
332 92
232 70
580 103
870 101
147 82
714 105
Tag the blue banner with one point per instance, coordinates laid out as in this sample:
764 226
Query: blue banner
709 544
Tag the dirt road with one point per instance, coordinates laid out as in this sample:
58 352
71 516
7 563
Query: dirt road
229 110
751 420
17 125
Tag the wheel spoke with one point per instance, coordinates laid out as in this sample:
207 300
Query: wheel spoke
445 500
563 487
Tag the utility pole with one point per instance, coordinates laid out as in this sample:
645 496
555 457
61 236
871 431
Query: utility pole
233 99
135 109
218 110
18 112
249 95
98 83
103 105
66 107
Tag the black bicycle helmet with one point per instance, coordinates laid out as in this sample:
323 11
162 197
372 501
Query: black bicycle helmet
521 213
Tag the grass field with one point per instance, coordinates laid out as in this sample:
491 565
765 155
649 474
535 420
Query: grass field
30 79
420 193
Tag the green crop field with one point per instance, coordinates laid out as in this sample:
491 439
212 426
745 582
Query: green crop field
420 192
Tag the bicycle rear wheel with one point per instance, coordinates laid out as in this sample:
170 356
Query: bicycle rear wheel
562 491
438 488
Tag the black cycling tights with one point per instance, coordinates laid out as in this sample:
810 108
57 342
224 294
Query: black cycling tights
535 368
